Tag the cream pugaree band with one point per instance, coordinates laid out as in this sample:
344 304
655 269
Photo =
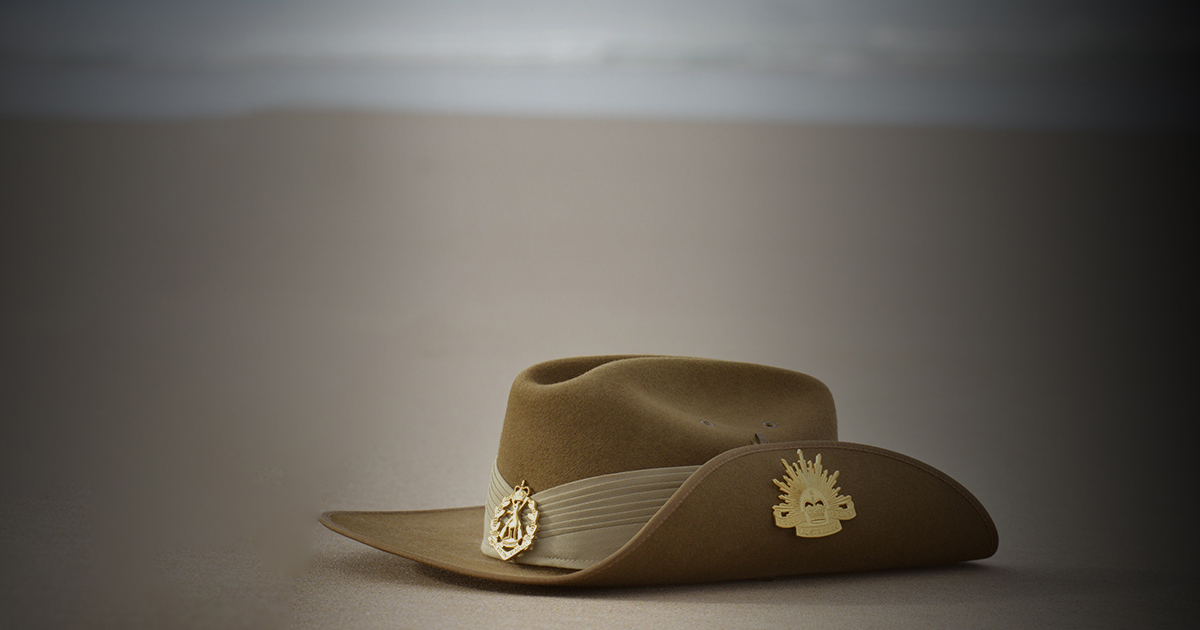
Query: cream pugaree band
585 521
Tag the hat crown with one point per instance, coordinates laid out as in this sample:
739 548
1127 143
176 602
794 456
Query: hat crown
581 417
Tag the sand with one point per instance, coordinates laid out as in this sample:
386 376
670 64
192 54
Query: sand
215 329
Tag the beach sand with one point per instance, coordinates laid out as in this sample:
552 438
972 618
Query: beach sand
215 329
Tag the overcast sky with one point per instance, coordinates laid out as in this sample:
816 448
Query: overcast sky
71 55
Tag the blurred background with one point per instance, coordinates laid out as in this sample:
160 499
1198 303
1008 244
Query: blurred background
265 258
1057 62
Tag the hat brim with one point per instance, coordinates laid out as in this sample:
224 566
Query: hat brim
719 525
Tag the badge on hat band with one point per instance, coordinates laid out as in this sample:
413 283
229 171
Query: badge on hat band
811 503
514 523
581 522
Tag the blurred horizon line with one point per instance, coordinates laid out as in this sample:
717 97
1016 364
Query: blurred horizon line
1057 63
754 35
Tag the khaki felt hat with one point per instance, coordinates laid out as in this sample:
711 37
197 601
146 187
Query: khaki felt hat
626 470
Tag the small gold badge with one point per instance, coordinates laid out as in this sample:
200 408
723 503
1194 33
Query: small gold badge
810 502
514 523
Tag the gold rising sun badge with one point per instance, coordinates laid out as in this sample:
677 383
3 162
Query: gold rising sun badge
514 523
811 503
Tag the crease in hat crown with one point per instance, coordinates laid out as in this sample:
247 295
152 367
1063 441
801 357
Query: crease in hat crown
581 417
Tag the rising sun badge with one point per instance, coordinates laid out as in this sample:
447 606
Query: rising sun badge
811 503
514 523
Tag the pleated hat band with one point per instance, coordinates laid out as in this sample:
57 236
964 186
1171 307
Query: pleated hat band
576 524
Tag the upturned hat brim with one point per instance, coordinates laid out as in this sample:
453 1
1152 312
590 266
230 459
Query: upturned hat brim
719 525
